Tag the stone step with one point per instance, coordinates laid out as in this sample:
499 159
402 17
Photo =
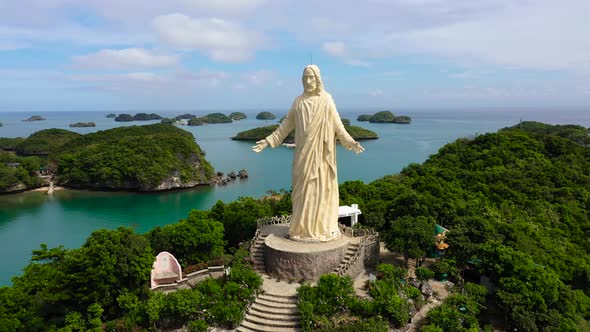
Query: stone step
282 317
270 322
273 304
247 326
281 295
278 299
271 310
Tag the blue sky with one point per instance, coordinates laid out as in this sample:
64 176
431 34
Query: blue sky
249 54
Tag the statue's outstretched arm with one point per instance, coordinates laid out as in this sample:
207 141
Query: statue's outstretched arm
260 145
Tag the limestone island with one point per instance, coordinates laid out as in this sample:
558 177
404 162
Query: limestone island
82 124
265 116
134 158
35 118
111 115
193 120
358 133
236 116
385 117
137 117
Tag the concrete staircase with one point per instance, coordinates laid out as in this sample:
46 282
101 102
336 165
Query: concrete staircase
351 251
258 252
272 312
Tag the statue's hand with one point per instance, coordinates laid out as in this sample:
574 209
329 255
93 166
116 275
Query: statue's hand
260 145
357 148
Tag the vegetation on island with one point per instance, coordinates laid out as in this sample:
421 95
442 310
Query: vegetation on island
104 283
146 117
265 116
516 206
216 118
144 158
236 116
111 115
124 118
18 173
364 117
195 122
259 133
82 124
515 203
45 142
385 117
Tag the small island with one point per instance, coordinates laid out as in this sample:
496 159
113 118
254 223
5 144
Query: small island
134 158
1 124
34 118
216 118
82 124
236 116
124 117
195 122
146 117
358 133
111 115
265 116
385 117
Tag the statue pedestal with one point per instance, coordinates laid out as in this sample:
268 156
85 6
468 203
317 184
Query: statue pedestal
293 260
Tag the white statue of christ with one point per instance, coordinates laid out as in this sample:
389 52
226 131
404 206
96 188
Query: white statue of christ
317 125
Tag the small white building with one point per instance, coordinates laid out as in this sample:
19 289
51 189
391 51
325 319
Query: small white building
349 211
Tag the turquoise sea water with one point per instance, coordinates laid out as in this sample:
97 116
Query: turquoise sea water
68 217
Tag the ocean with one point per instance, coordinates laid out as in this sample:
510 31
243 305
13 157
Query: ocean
68 217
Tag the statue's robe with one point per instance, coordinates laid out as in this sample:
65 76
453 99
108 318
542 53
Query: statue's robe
315 182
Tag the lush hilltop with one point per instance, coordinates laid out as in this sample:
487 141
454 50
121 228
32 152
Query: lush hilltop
517 205
145 158
259 133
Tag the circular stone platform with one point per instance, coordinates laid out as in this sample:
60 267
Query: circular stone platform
288 259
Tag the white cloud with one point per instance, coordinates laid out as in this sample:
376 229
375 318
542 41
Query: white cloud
222 40
147 83
542 34
259 77
124 59
339 50
335 48
376 93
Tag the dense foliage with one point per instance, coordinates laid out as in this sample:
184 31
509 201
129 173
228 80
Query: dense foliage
133 157
146 117
237 116
216 118
18 173
259 133
195 239
517 206
384 117
124 118
104 283
45 142
333 302
458 312
265 116
195 122
7 143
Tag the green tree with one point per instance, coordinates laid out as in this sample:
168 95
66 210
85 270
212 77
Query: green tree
412 237
195 239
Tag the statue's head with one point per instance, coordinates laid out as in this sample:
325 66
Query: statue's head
311 79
